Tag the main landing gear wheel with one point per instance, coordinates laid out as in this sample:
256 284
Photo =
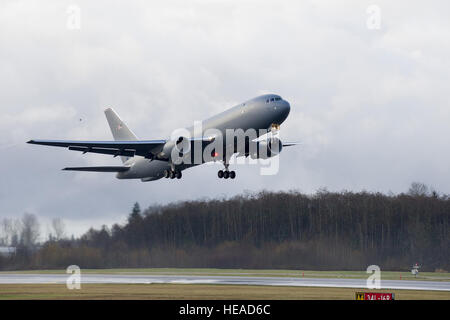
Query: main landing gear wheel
226 174
166 173
172 174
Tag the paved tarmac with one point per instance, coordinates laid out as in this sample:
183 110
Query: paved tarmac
10 278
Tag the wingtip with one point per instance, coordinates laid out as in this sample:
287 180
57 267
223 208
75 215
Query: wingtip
30 141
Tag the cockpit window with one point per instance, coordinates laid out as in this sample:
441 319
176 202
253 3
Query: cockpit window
273 99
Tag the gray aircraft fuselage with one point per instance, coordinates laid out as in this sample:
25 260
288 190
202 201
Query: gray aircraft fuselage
259 113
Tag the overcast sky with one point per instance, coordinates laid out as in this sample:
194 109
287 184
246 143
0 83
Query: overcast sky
369 97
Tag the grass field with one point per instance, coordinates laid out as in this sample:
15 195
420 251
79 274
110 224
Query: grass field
198 292
387 275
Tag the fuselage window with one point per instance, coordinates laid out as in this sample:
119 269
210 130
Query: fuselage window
273 99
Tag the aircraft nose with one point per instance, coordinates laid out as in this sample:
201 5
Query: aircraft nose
285 108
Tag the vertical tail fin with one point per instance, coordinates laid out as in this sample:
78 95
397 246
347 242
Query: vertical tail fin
119 129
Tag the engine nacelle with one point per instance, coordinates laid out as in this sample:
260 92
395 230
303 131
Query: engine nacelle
265 149
180 146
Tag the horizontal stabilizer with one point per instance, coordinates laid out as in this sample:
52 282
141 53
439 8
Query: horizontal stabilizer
100 169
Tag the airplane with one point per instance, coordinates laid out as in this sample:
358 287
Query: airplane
151 160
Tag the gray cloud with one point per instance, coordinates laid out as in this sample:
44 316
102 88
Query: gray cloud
370 106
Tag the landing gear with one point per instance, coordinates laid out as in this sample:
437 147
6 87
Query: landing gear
226 174
172 174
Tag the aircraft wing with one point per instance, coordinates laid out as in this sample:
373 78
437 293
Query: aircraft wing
144 148
99 169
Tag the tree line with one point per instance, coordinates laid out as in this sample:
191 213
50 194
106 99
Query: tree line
26 231
322 231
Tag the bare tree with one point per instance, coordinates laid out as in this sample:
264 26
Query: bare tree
9 229
5 231
418 189
58 228
16 230
30 230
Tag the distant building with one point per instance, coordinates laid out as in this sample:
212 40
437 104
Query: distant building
7 251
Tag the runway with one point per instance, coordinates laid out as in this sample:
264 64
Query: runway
17 278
